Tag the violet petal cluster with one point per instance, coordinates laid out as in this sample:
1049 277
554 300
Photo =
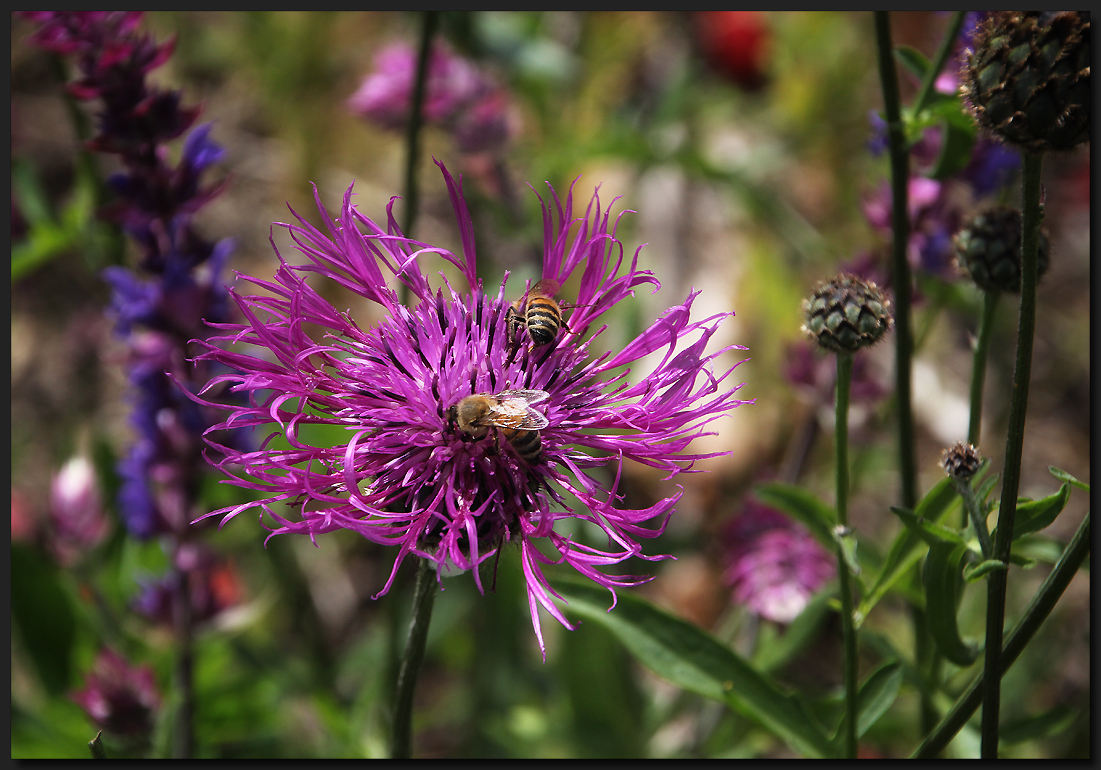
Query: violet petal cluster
120 698
458 96
179 285
773 565
403 474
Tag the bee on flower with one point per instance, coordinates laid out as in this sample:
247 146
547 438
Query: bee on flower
436 402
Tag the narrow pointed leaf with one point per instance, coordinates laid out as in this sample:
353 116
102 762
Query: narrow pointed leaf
877 693
913 60
1064 476
694 660
1044 725
1034 515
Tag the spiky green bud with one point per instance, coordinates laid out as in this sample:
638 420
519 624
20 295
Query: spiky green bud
846 314
1027 78
989 249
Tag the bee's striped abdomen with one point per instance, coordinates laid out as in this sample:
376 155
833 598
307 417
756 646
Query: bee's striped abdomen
527 443
544 318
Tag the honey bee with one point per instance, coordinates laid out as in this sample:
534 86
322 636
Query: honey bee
540 313
510 411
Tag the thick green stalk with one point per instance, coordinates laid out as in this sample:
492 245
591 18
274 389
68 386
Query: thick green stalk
978 366
904 335
1038 610
424 596
941 56
848 629
413 129
1011 476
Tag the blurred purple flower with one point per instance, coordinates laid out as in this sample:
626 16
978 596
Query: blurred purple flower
212 583
458 96
815 374
405 475
118 697
76 510
774 566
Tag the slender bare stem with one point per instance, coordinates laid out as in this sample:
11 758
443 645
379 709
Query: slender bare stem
424 596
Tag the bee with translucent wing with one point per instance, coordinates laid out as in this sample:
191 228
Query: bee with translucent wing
510 412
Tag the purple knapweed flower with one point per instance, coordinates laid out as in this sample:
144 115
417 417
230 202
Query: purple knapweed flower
404 474
774 565
118 697
76 510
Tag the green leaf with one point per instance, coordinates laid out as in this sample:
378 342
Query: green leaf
905 552
694 660
96 747
973 572
877 694
1034 515
913 60
1064 476
942 595
847 544
1044 725
1042 548
802 506
955 149
929 531
41 610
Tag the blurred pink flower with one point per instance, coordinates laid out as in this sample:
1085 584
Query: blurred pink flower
774 565
76 510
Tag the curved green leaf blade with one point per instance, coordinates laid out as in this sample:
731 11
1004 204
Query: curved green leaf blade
942 592
955 149
1038 514
912 59
878 691
692 659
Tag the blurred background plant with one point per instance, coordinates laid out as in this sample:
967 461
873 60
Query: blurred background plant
743 142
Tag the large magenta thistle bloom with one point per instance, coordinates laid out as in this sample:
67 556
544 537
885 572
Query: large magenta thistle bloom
405 475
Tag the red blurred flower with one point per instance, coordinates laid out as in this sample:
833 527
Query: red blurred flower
118 697
737 43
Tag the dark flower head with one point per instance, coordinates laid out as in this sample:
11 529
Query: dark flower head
407 473
961 461
118 697
774 566
846 314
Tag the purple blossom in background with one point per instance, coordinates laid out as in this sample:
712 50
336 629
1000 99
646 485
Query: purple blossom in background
213 586
179 285
774 566
458 96
118 697
938 207
815 374
76 511
405 475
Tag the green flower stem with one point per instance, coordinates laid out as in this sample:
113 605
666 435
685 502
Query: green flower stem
941 56
413 129
848 629
973 510
183 737
978 367
1038 610
424 596
904 336
1011 476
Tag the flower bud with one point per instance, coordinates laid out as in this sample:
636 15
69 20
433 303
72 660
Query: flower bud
847 314
961 461
76 510
989 249
1027 78
118 697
